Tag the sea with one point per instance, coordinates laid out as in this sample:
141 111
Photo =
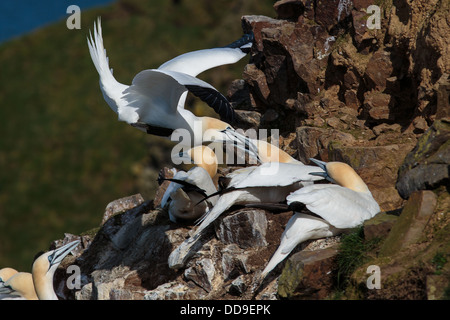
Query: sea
18 17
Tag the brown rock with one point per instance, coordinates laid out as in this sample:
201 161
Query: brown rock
308 274
202 273
386 128
289 9
329 13
121 205
412 221
376 105
248 119
361 32
351 99
437 286
379 226
313 142
377 166
443 98
426 166
257 81
246 228
378 70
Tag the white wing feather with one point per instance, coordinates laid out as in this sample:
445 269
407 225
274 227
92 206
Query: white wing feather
195 62
300 227
341 207
274 174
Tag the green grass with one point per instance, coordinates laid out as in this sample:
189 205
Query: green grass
63 154
353 253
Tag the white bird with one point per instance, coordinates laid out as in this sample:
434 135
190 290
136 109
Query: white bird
346 204
154 102
18 287
267 183
186 190
338 207
44 268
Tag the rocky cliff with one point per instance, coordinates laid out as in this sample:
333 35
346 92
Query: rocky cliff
377 99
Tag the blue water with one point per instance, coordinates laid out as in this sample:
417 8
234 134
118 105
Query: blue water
18 17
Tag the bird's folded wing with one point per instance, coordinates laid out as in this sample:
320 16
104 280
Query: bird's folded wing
302 227
341 207
275 174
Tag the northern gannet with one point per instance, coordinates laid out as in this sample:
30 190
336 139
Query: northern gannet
343 205
44 268
270 182
19 286
154 102
187 189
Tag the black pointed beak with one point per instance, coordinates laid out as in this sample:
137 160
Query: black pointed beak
323 166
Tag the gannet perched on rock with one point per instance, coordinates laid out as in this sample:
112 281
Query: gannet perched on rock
343 205
187 189
268 183
44 268
154 102
20 286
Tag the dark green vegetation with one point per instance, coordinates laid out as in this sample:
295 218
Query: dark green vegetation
354 251
63 154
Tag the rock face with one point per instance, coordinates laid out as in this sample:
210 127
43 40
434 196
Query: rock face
377 99
427 165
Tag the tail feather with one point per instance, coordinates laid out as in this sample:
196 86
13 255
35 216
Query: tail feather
98 52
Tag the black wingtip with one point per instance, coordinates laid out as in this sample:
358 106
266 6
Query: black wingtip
245 39
215 100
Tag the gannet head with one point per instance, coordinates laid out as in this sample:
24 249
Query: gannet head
342 174
44 268
203 157
5 274
21 283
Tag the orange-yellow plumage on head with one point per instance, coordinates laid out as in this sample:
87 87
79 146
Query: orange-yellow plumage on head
346 176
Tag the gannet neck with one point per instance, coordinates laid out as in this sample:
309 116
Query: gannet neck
43 273
205 158
44 268
346 176
271 153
